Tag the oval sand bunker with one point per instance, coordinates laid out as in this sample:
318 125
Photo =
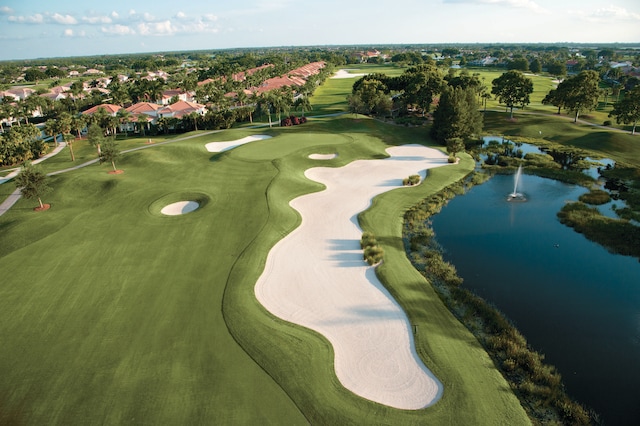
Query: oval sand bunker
181 207
323 156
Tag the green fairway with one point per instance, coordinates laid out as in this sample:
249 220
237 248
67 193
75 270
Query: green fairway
111 312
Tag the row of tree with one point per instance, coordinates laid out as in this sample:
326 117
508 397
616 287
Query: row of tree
457 117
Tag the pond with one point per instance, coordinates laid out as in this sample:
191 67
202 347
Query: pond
573 300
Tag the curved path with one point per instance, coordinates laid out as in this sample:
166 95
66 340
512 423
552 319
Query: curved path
316 277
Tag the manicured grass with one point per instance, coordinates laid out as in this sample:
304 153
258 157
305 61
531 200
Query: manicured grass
620 146
113 313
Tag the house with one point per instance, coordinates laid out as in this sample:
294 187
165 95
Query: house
110 108
54 96
92 71
18 94
294 78
146 108
181 109
167 95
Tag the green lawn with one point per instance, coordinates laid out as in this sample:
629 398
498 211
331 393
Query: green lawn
113 313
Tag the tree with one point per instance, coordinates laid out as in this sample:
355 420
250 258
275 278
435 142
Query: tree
51 129
124 118
78 122
454 146
303 104
370 97
143 121
420 85
535 66
457 115
110 152
512 88
557 68
581 92
69 138
34 74
95 136
32 183
627 110
520 64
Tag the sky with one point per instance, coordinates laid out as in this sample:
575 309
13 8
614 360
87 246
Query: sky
32 29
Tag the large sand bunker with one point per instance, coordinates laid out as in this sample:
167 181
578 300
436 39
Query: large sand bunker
316 277
181 207
226 146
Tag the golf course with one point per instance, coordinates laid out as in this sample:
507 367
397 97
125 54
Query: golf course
117 310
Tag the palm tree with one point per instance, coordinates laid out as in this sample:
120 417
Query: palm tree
242 97
51 129
124 118
303 103
69 138
193 116
78 122
143 121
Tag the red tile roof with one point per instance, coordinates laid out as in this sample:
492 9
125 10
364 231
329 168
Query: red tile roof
111 109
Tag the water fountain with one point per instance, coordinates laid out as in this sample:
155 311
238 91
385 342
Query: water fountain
515 195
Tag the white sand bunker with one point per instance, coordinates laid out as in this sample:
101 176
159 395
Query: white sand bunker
316 277
346 74
181 207
323 156
226 146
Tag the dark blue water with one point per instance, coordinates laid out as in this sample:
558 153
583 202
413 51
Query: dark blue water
573 300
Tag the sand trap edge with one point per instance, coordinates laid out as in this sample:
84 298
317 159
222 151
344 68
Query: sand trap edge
180 208
180 200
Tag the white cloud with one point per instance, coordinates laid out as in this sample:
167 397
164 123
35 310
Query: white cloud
118 29
97 19
6 10
518 4
181 15
68 32
156 28
63 19
33 19
209 17
609 13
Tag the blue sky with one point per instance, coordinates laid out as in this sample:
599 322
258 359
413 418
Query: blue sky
39 28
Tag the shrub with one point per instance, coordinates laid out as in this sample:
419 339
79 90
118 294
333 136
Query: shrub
373 254
607 123
411 180
368 239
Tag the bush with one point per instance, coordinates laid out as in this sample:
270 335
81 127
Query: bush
411 180
292 120
373 253
607 123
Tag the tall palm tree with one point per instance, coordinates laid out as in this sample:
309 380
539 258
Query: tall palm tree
303 104
78 122
143 121
124 118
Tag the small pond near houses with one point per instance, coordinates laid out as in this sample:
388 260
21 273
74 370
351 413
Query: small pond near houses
573 300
